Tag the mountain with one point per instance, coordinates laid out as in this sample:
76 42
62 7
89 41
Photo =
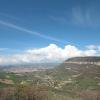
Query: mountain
78 78
93 59
72 67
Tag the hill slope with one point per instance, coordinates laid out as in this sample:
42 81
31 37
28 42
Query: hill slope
77 79
68 81
84 59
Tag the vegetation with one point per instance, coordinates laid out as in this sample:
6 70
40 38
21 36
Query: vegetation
66 82
24 92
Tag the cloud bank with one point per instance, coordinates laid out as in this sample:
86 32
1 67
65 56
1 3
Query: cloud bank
51 53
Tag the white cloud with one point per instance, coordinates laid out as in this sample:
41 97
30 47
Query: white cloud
86 17
78 16
94 47
51 53
89 53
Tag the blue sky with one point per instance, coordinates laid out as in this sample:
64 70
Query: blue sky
27 24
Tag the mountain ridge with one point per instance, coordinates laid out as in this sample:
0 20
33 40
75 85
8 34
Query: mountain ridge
84 60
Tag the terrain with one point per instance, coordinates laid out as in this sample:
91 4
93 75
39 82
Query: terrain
75 79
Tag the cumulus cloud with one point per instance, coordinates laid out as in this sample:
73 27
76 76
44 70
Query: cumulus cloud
94 47
51 53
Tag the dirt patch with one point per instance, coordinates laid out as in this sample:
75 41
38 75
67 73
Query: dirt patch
6 81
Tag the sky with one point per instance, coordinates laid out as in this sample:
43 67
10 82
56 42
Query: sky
48 30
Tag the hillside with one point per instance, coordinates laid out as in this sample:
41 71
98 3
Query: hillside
84 59
77 79
68 81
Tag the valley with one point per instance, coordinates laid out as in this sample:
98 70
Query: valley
70 81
